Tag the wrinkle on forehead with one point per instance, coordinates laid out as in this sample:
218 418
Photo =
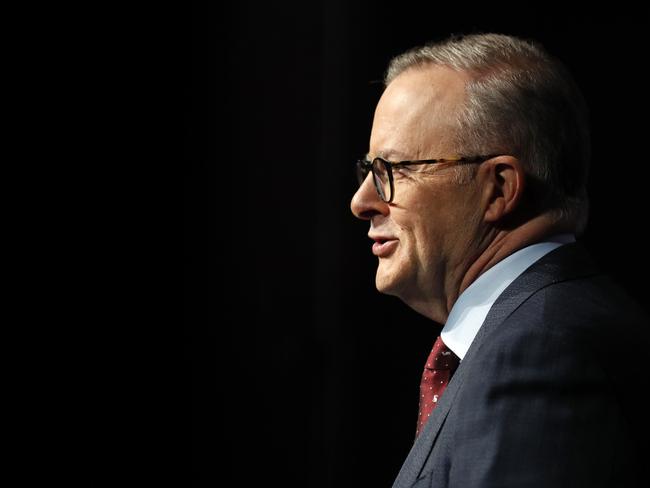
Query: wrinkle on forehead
416 113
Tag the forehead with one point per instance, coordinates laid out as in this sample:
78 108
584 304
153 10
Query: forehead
416 112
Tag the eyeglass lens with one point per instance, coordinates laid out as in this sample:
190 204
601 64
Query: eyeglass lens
380 176
382 182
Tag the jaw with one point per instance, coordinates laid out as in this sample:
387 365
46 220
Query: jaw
419 292
428 286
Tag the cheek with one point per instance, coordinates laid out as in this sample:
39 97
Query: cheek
434 227
430 216
417 236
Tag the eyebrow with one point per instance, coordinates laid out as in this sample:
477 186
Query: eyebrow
389 155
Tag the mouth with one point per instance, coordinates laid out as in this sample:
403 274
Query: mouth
384 246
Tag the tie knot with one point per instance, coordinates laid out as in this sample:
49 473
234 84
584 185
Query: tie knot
441 357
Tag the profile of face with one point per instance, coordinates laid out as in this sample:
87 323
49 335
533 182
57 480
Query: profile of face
425 237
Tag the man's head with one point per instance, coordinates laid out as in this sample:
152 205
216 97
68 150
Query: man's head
481 95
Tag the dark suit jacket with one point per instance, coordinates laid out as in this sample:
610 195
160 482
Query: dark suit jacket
552 392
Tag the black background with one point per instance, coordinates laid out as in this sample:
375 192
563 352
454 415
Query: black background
299 372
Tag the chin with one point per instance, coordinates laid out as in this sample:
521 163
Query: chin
387 283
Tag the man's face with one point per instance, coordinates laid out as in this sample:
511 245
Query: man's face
424 238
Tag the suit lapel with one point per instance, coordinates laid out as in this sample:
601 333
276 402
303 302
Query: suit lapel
566 262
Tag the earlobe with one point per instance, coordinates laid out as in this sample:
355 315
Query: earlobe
495 210
506 181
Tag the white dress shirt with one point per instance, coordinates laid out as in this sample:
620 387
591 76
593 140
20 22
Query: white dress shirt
471 308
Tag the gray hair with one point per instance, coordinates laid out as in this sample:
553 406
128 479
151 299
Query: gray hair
520 101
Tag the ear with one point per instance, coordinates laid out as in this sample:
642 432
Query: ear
504 181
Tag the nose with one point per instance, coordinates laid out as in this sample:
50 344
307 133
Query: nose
366 202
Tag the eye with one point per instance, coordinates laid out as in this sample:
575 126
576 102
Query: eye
404 170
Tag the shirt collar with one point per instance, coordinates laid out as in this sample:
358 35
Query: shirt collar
471 308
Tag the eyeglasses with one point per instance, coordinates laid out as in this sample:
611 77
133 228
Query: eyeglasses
382 171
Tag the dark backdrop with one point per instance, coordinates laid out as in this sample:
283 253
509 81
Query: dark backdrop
301 373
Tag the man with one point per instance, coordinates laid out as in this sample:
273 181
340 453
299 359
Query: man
475 189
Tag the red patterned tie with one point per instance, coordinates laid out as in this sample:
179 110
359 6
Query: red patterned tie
441 365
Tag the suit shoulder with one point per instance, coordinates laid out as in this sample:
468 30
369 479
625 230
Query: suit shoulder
586 303
579 323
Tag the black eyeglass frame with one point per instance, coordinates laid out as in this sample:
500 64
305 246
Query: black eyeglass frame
364 167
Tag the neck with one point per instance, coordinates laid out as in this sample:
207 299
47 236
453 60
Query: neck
496 245
506 242
501 243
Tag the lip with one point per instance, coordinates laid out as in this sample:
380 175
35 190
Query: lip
383 246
